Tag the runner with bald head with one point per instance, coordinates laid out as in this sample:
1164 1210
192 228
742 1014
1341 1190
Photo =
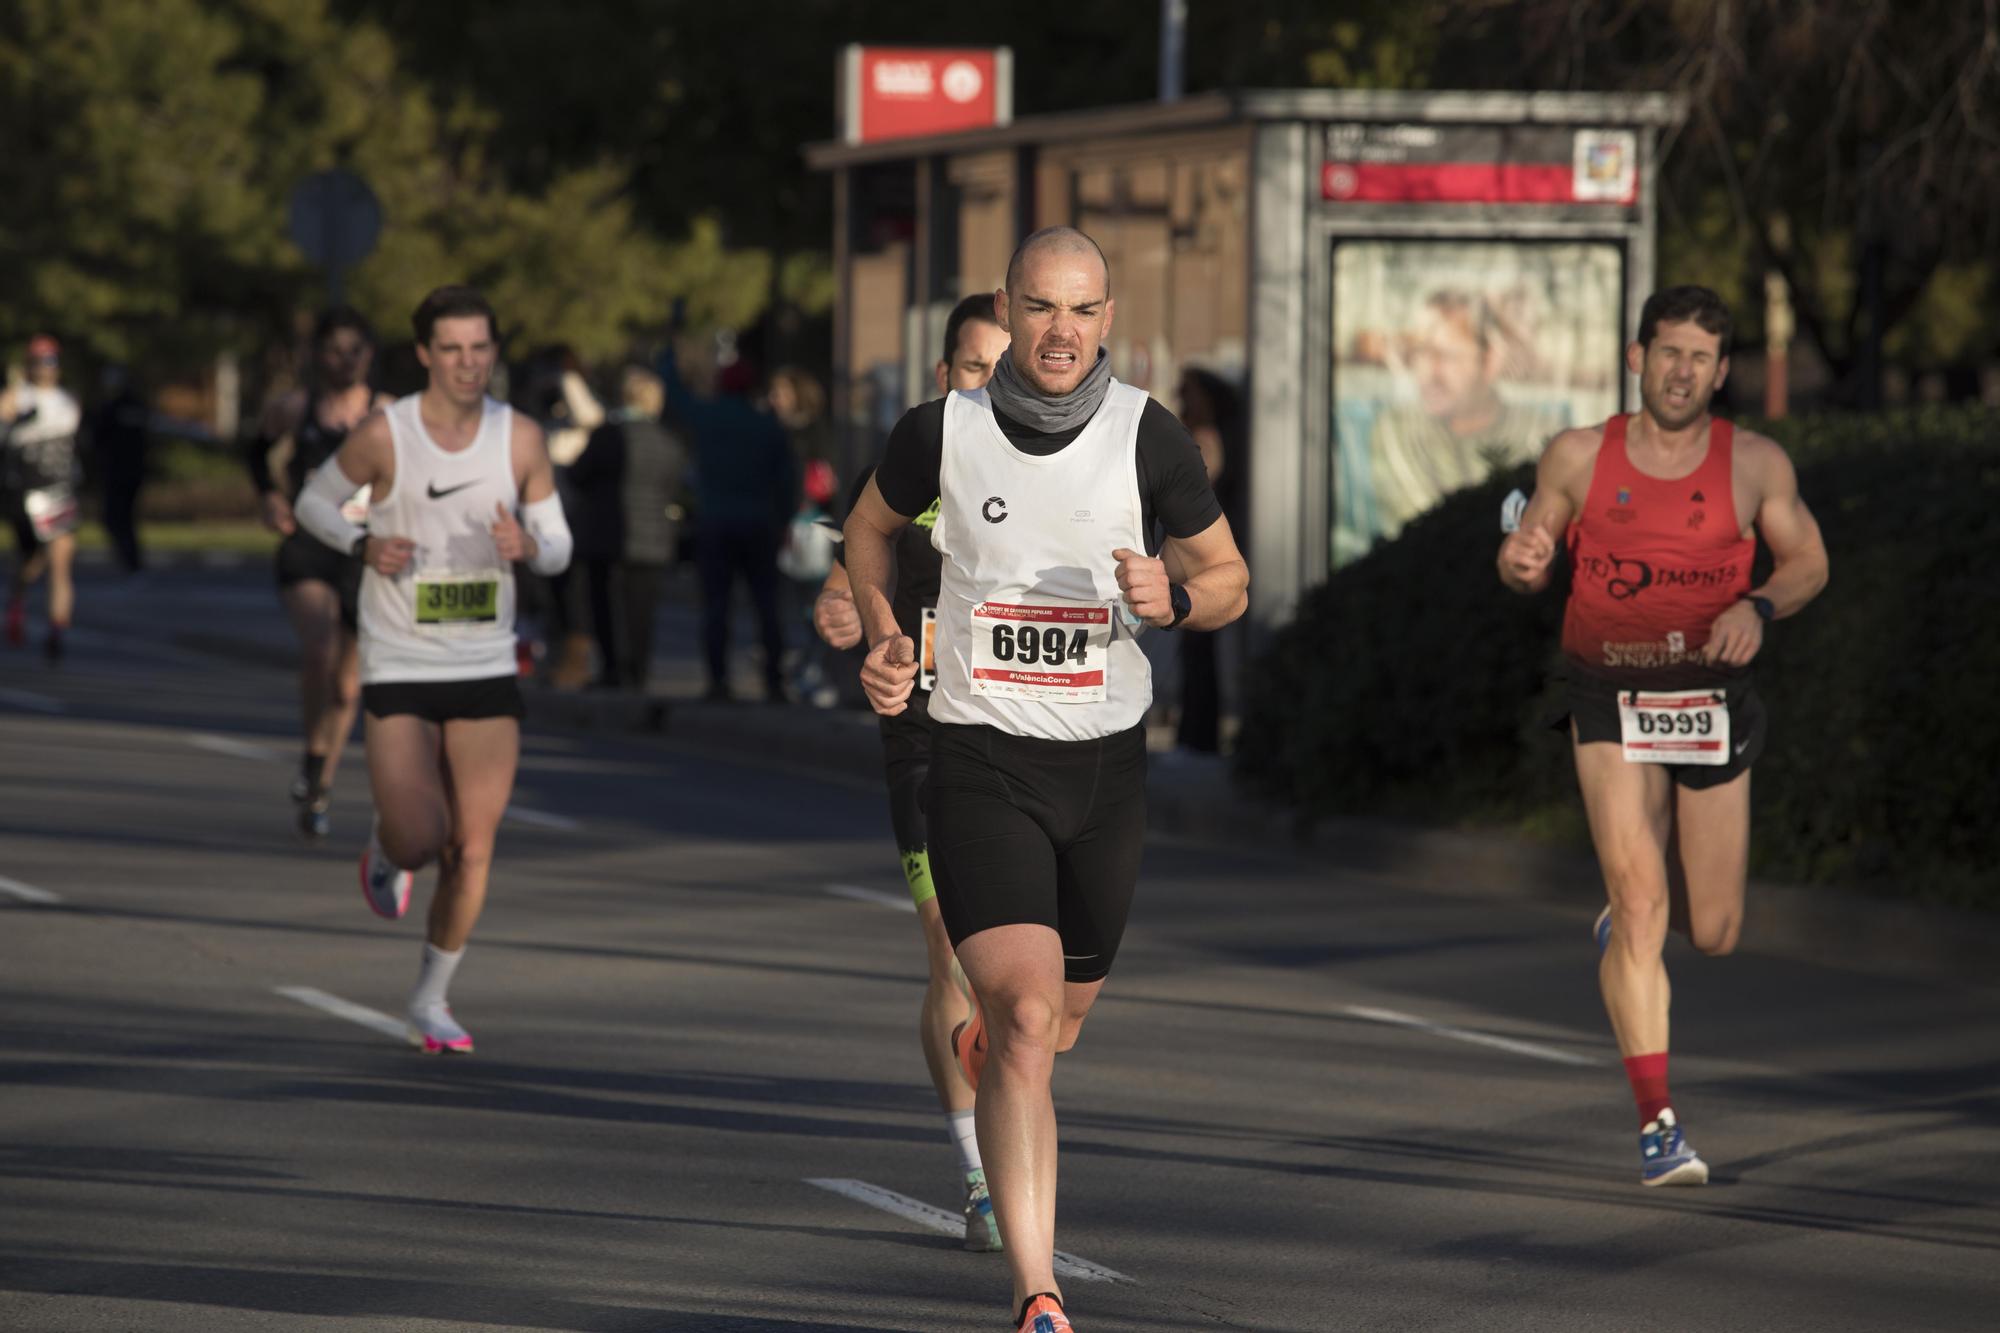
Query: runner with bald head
1048 484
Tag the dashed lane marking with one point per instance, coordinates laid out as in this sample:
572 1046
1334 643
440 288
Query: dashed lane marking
372 1019
901 902
952 1224
28 893
1534 1050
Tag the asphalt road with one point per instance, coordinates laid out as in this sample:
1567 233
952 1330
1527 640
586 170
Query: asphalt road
1311 1098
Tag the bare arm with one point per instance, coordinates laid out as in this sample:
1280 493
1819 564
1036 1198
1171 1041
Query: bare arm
1213 572
870 534
1799 563
890 671
834 617
1527 553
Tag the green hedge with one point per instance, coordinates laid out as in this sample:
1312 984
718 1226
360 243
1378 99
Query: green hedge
1413 685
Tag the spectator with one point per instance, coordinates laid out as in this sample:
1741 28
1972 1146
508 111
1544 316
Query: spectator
1212 411
551 389
627 484
118 429
746 489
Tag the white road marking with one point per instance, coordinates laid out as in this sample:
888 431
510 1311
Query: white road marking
1528 1048
353 1013
235 749
34 703
27 893
522 814
952 1224
902 902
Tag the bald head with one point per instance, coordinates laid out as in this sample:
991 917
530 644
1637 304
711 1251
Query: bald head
1058 243
1056 307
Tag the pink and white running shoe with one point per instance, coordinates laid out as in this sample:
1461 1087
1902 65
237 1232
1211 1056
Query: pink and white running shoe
433 1030
384 884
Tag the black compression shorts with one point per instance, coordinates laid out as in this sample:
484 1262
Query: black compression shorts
442 701
1040 832
906 763
304 558
1593 706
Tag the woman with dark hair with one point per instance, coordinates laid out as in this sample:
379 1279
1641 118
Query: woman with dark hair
320 587
1212 411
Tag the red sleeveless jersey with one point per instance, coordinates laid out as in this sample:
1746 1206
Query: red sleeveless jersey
1653 563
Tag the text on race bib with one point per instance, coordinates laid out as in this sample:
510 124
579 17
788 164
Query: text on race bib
1674 726
1052 653
447 600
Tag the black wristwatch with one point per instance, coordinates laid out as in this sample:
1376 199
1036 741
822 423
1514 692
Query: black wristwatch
360 545
1183 605
1762 606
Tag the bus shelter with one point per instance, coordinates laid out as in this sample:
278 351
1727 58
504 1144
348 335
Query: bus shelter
1409 289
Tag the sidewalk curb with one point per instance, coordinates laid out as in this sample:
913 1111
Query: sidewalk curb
1195 800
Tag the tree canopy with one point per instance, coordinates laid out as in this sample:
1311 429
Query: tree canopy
589 164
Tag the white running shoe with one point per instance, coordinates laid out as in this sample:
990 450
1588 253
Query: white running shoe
435 1032
384 884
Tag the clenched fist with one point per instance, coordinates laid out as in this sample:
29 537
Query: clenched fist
508 539
889 674
387 556
836 620
1143 580
1526 553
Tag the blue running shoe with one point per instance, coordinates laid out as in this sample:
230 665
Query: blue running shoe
1665 1158
1601 932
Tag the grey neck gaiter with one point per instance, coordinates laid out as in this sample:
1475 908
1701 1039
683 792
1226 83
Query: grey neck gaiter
1019 401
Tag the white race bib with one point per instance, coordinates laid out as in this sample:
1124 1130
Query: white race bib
1674 726
1052 652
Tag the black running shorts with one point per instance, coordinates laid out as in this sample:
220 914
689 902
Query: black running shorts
442 701
1593 706
906 763
304 558
1039 832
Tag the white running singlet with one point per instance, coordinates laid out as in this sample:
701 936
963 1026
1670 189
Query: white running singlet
450 614
1033 636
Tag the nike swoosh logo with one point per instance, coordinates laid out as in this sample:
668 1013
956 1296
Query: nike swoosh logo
436 494
1741 746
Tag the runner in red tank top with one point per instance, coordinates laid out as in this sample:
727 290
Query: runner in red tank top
1660 512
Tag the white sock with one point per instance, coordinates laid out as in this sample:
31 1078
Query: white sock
967 1141
434 977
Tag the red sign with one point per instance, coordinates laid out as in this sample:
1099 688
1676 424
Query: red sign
907 92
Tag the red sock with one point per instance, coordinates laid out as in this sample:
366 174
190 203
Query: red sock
1649 1084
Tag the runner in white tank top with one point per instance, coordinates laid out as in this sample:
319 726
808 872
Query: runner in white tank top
449 470
1036 796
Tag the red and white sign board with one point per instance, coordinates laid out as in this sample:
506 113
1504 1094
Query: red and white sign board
1479 164
892 92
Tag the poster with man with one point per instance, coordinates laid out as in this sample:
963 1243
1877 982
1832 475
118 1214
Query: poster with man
1452 359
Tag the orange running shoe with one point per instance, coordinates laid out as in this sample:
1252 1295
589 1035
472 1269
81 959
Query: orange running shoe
1044 1314
968 1043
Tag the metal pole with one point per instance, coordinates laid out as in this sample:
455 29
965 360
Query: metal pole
1173 46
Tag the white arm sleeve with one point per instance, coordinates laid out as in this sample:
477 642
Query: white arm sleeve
318 507
544 521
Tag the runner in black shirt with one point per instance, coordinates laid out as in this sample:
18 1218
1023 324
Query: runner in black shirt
320 586
973 341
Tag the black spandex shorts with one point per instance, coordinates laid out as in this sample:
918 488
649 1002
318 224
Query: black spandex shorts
1593 704
1039 832
304 558
906 762
444 701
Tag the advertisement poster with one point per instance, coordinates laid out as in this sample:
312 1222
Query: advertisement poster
1454 358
